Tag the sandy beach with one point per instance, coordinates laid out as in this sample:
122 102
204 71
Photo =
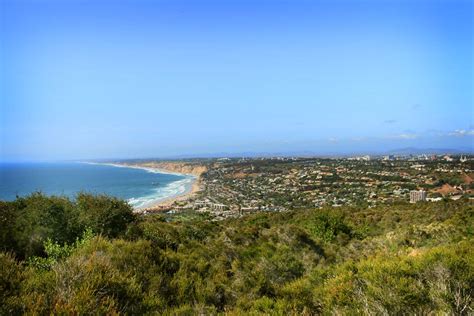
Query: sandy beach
178 168
168 202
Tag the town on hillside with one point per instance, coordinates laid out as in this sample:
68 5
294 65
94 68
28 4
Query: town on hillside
233 187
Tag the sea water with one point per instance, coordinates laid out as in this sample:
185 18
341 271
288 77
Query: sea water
141 187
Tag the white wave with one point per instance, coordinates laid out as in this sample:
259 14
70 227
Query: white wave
173 189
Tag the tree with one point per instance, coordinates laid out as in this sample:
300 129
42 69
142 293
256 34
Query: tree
105 215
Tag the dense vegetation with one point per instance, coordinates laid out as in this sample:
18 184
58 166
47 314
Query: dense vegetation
93 256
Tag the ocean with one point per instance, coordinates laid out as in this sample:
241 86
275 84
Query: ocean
140 187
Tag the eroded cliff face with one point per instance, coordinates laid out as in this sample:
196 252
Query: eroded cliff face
179 167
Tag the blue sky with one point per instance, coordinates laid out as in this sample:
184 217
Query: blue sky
122 79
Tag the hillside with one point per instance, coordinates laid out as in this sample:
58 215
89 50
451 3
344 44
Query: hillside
93 256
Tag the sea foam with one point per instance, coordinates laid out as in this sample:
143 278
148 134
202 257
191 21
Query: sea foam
171 190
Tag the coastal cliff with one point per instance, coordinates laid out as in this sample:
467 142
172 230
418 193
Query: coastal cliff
174 166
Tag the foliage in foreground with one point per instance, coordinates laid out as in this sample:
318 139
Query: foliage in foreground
395 259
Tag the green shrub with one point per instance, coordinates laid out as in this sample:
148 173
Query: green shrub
28 222
11 277
105 215
392 259
328 225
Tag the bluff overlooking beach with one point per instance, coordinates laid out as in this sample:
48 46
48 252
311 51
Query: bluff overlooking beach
189 168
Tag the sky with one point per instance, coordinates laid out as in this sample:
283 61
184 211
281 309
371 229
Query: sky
139 79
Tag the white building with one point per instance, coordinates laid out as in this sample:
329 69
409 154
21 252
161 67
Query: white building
417 196
448 158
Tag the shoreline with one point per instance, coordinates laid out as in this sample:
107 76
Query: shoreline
165 203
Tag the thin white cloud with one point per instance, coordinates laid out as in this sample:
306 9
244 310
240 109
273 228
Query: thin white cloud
461 133
407 135
403 136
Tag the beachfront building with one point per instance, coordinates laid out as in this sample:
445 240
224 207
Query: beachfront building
417 196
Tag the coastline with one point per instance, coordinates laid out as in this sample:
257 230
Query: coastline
166 203
175 168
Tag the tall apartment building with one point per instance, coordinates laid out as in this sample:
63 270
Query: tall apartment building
416 196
